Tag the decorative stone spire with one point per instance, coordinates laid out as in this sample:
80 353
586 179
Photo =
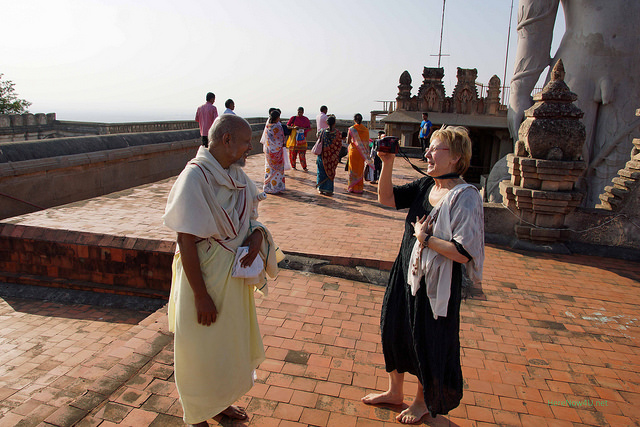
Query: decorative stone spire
546 164
404 91
465 94
493 96
552 129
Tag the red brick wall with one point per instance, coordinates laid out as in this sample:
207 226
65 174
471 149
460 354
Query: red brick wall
89 261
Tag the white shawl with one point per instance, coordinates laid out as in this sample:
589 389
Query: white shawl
458 216
211 202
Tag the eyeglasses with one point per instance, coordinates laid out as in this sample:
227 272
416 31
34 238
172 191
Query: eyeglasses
431 149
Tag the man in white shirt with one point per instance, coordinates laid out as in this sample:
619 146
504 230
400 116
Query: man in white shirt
230 105
321 120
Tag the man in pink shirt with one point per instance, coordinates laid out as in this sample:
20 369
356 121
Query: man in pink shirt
205 116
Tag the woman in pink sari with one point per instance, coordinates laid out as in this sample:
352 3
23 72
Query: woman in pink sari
357 137
273 142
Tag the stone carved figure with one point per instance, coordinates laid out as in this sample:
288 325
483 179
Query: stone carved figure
601 58
465 94
431 99
465 101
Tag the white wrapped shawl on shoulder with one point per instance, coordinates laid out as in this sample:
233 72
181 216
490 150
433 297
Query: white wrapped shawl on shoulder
458 216
212 202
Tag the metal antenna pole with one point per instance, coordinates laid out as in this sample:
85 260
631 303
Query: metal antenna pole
506 56
442 28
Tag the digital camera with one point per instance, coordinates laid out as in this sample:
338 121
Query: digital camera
389 144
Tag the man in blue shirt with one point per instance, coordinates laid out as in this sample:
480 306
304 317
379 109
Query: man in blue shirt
425 131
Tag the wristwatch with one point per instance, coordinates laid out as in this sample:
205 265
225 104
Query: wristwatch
426 241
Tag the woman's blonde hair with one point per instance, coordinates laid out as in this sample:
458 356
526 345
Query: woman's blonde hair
459 143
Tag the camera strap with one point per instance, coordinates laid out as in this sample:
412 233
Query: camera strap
412 165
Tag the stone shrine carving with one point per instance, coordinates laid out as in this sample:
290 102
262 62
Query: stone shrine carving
431 95
620 194
465 95
546 164
552 129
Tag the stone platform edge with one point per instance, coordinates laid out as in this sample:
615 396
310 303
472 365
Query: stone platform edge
85 261
31 255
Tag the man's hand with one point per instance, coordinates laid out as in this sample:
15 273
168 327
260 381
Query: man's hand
254 241
206 309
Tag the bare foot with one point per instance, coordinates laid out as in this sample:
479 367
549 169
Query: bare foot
413 414
380 398
235 412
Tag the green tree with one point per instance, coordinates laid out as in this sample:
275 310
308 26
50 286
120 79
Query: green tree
9 102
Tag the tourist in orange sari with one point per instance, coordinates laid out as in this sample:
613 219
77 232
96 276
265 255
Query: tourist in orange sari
357 137
327 162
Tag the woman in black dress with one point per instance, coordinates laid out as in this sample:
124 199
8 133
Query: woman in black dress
444 236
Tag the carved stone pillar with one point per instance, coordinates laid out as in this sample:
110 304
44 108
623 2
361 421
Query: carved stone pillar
546 164
406 135
404 91
465 94
431 94
492 101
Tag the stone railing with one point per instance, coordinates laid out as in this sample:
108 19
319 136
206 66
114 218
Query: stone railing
29 127
113 128
43 172
27 119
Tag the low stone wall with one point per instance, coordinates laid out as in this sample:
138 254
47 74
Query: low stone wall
85 261
142 267
30 127
592 232
35 175
39 174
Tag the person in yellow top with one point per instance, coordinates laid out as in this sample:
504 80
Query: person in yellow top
358 139
297 142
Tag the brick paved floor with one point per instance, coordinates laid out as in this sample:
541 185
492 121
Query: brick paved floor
550 333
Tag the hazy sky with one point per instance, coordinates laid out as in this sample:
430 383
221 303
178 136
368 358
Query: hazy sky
137 60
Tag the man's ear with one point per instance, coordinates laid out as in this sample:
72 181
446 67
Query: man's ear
226 138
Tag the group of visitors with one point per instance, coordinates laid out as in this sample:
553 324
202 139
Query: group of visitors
277 137
292 137
213 209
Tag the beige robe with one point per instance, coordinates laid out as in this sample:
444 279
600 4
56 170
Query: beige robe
214 364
